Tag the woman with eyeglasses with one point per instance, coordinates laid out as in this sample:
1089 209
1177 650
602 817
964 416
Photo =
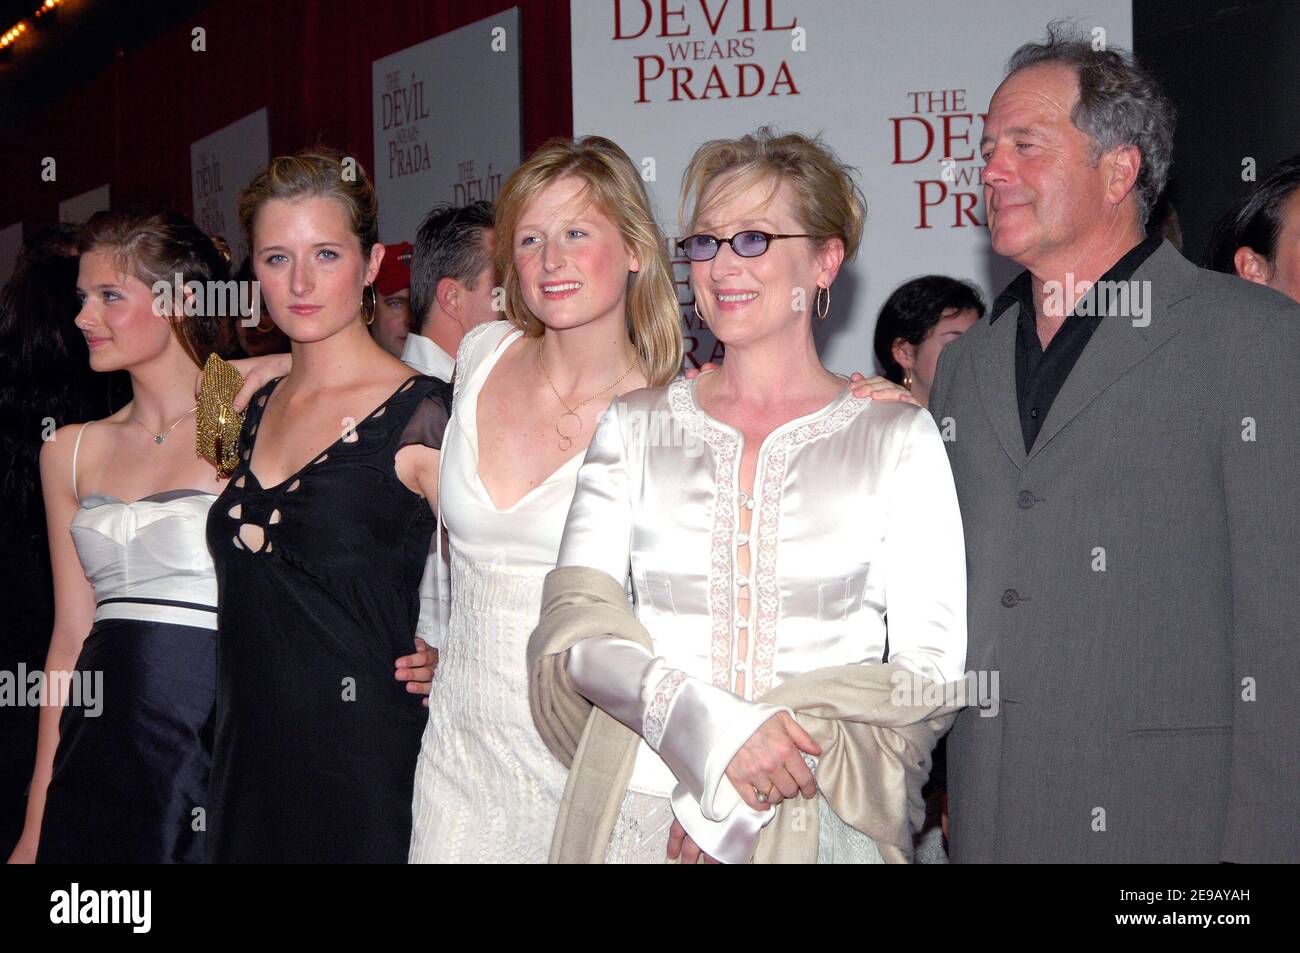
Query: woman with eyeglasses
768 520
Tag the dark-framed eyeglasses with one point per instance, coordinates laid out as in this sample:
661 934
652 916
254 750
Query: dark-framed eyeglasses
747 244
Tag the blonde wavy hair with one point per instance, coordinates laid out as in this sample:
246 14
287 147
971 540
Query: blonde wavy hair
828 201
614 186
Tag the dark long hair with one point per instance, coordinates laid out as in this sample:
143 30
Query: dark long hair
45 375
914 309
1256 222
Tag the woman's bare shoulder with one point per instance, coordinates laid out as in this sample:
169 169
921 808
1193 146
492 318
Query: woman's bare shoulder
60 445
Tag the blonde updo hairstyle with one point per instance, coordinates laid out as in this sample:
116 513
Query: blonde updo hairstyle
324 173
614 186
828 202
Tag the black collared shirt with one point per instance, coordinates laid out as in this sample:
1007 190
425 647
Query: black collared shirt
1040 374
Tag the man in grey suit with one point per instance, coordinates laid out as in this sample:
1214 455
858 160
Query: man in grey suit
1127 458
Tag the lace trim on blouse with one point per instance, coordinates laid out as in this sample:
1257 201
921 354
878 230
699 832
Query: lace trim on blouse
767 513
656 715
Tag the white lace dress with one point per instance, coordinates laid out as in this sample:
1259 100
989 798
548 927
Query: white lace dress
486 787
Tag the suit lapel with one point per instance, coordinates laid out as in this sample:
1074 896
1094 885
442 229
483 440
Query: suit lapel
995 373
1118 345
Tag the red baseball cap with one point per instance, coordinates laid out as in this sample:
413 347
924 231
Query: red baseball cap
395 269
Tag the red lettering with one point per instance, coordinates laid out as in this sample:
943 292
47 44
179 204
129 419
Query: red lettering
665 13
681 84
618 20
784 71
772 26
690 343
643 78
713 21
898 139
715 81
964 199
949 137
943 194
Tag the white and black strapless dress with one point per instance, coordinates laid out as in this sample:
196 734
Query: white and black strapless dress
130 781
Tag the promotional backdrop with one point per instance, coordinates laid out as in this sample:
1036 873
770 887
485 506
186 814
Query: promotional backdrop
446 121
220 165
896 87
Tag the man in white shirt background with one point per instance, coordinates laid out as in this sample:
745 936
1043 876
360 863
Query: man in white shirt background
452 281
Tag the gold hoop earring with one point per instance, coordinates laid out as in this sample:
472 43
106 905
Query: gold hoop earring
374 303
822 311
698 315
907 378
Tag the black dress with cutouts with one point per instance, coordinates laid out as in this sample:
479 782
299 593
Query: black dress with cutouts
316 743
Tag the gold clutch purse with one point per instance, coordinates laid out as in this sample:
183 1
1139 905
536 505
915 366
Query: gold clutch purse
218 425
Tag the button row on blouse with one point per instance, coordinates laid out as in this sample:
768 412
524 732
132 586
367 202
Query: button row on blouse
742 582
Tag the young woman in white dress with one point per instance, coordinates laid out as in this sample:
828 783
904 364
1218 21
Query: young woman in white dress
592 313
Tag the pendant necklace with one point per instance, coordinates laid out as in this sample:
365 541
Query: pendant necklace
159 437
566 439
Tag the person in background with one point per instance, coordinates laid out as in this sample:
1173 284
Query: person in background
45 382
915 324
1165 221
918 321
392 321
452 274
452 282
1259 240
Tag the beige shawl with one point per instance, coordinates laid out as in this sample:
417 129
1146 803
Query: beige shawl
875 752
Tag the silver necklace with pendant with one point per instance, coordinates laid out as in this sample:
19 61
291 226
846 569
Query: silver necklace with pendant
158 438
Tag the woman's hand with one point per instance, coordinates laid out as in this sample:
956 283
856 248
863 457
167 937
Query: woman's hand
256 372
704 368
770 763
878 388
681 845
417 669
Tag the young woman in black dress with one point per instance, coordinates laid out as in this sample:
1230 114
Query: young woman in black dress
320 539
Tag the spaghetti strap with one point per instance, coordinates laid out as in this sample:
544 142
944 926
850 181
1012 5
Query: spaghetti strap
76 447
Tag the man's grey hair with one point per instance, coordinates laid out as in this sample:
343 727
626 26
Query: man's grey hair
1120 104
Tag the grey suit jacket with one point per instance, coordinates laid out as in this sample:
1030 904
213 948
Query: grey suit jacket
1135 581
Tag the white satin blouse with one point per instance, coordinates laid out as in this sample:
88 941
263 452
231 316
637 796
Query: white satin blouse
854 521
